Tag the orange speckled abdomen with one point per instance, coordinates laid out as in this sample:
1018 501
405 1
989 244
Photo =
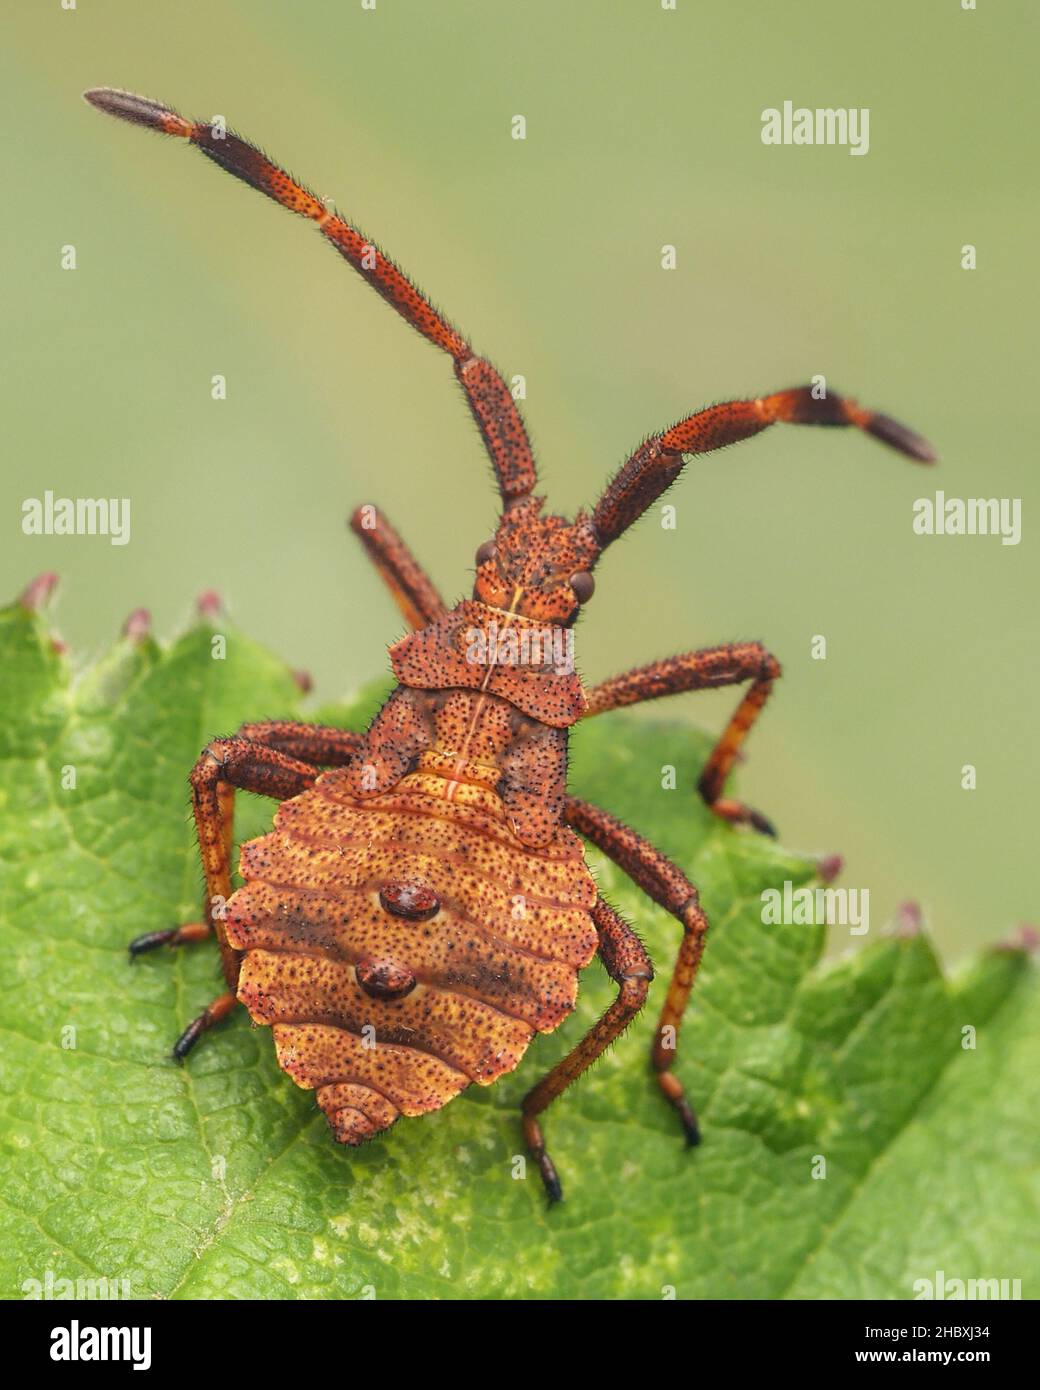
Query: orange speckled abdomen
406 944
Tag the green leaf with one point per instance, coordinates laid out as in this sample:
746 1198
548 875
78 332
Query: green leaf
218 1178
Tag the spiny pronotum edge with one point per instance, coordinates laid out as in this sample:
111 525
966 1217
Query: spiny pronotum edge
421 907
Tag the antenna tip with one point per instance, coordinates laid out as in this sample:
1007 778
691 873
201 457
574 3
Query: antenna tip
127 106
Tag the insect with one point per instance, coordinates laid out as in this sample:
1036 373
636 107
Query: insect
422 907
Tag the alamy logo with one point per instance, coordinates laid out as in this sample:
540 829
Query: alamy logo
77 516
969 516
942 1288
822 125
543 648
76 1343
808 907
53 1286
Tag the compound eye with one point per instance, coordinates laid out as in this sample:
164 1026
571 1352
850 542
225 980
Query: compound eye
584 585
487 551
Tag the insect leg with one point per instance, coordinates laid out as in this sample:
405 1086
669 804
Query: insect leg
317 744
668 886
211 1014
320 745
628 964
227 765
658 462
705 670
487 395
413 590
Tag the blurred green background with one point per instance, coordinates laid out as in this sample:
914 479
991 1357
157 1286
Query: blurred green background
643 128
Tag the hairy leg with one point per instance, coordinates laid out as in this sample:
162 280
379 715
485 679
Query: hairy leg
277 758
318 745
707 669
412 589
669 887
629 966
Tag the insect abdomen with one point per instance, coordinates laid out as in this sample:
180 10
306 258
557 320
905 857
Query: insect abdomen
406 944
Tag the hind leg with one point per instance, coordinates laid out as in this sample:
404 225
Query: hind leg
668 886
628 964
